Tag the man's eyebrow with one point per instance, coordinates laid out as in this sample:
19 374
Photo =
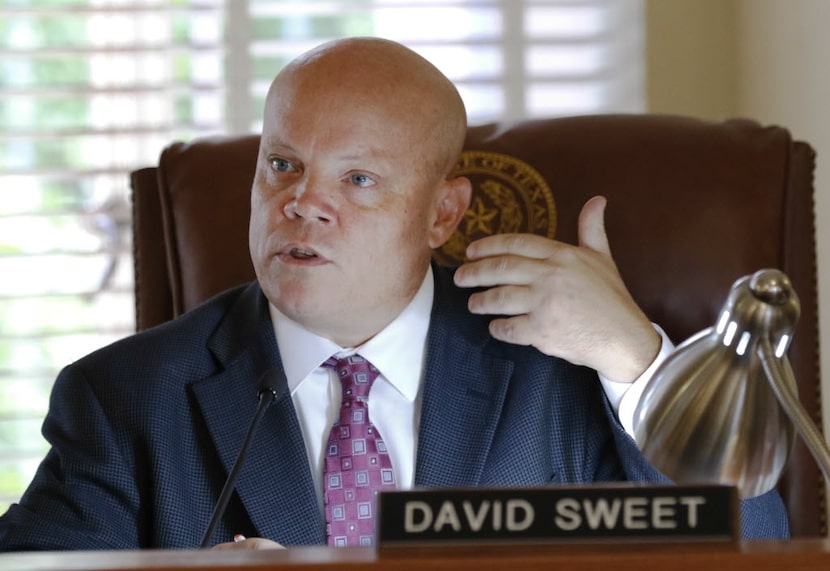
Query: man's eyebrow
275 142
374 153
351 157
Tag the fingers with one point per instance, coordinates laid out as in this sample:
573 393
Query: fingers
517 330
239 542
526 245
503 300
591 225
567 301
499 270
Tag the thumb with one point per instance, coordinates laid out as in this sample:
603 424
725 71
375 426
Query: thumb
591 226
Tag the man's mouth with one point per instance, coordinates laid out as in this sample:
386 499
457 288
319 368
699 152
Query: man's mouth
301 254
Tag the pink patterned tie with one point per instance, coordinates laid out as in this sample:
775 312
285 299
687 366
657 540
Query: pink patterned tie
357 464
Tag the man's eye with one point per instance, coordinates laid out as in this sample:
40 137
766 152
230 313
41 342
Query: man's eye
359 179
281 165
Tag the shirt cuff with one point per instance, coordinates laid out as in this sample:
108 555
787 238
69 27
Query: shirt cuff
624 397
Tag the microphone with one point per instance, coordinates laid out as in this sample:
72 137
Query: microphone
267 393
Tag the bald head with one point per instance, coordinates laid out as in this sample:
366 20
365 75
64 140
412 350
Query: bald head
409 92
355 185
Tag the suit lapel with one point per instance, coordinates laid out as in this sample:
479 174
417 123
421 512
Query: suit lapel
275 485
463 393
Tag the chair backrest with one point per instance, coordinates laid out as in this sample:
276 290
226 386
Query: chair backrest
692 206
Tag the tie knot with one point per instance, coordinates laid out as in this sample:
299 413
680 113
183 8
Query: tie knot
356 375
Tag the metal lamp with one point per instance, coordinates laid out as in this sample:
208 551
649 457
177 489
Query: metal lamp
722 407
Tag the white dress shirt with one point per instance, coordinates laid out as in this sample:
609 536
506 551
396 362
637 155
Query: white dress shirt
398 352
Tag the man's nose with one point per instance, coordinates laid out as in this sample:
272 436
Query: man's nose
311 201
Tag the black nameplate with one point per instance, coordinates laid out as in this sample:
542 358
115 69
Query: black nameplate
549 515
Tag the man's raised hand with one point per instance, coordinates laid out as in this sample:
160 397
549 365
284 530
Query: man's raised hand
567 301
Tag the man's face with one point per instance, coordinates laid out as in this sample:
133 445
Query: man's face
343 212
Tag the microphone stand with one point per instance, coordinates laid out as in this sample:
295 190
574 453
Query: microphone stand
267 395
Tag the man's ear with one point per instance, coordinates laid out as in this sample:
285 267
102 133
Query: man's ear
452 201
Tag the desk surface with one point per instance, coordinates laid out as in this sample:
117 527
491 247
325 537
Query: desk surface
755 556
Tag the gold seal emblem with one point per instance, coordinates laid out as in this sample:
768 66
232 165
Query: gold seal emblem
509 196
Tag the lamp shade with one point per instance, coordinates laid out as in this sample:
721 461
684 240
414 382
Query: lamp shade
709 414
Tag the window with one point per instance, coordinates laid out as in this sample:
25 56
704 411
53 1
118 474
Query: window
92 89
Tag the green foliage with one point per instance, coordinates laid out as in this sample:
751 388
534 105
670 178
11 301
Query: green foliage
26 30
66 70
64 195
182 68
11 482
327 25
64 113
183 110
181 30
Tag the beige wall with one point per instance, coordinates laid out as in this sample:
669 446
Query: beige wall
691 57
782 50
764 59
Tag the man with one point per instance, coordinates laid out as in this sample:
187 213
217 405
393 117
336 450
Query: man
354 187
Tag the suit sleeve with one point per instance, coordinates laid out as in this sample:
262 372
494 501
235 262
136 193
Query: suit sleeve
84 494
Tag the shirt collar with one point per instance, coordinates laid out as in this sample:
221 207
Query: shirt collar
397 351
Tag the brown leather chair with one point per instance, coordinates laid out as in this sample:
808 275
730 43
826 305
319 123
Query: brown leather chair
693 206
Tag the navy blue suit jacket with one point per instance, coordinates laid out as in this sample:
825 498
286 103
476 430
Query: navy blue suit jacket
144 432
